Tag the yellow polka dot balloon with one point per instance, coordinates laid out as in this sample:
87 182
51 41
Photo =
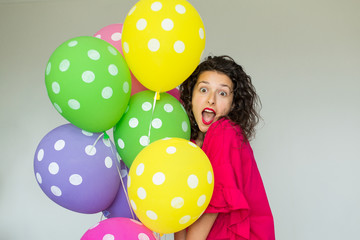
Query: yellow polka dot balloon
170 184
163 41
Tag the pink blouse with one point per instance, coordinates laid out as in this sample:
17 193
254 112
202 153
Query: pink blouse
239 194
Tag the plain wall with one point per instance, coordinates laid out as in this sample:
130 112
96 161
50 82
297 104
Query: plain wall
303 57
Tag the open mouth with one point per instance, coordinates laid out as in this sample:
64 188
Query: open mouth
208 116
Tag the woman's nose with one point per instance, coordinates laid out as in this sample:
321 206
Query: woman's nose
211 99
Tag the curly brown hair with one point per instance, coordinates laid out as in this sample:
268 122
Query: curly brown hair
246 102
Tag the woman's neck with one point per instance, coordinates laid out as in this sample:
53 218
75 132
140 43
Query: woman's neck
200 139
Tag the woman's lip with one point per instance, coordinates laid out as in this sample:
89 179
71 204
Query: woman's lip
209 122
210 110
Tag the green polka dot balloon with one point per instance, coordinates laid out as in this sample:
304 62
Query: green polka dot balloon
88 83
169 119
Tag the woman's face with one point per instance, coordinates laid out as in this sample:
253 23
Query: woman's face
212 98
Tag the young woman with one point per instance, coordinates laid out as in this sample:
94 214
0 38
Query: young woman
221 103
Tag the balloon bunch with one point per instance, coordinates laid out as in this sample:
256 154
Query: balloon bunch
153 173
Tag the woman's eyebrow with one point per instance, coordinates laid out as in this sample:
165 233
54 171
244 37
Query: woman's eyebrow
225 85
203 82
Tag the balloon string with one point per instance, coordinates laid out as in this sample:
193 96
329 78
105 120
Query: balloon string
123 185
152 114
93 146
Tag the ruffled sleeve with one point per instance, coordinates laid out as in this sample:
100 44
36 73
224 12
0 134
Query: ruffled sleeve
219 147
234 171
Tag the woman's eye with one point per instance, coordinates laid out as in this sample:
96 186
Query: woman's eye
203 90
223 94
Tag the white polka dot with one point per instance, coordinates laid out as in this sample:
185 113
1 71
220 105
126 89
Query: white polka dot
177 202
75 179
86 133
113 51
93 54
40 155
132 10
56 191
107 92
116 36
153 45
88 76
184 126
126 47
201 33
185 219
146 106
168 108
57 107
158 178
128 181
152 215
180 9
53 168
156 6
171 150
133 122
144 141
59 145
64 65
90 150
98 36
48 68
137 222
38 178
113 70
141 193
201 200
141 24
156 123
179 47
209 177
108 237
107 142
167 24
133 205
140 169
72 43
126 87
193 181
193 144
108 162
121 143
143 236
74 104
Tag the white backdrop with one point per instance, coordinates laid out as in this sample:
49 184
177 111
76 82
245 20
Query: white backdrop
303 57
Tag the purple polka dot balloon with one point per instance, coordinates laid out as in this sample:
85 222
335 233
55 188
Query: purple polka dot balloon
77 169
119 229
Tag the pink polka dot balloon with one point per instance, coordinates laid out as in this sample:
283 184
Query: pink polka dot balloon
119 229
112 34
77 169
